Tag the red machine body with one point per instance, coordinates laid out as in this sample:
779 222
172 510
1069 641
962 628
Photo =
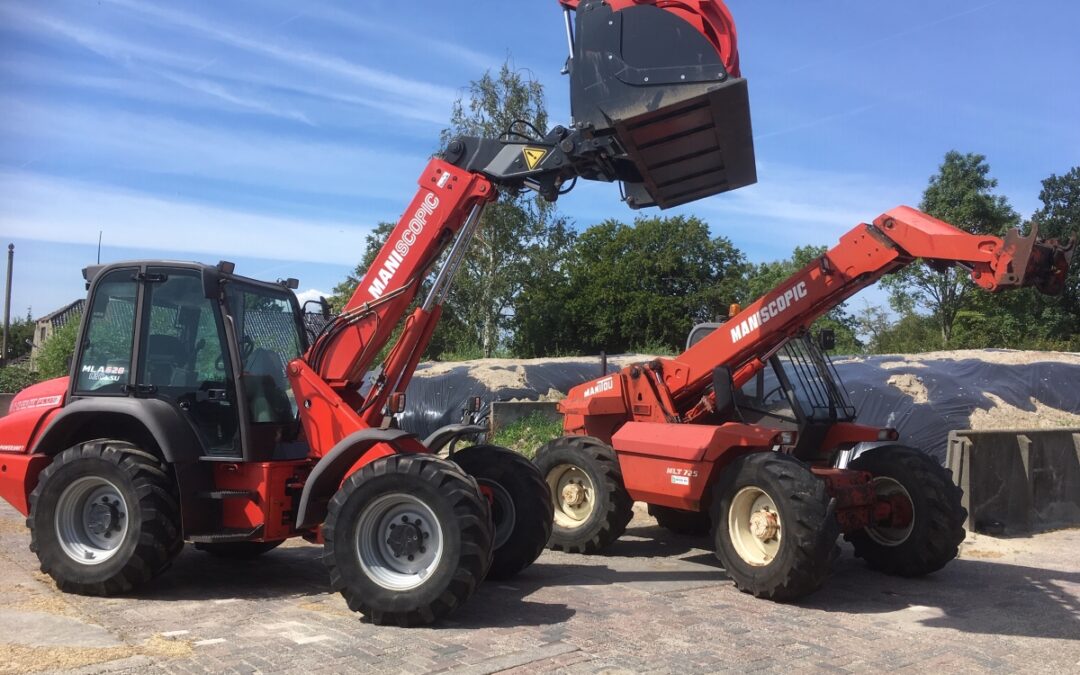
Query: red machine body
662 417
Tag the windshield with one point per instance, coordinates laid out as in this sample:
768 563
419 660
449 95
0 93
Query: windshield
269 338
799 382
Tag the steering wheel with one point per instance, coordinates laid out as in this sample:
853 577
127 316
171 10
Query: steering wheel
247 348
775 390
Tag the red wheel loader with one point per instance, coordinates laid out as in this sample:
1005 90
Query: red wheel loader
749 432
199 408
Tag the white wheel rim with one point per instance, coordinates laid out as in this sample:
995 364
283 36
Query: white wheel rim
754 526
399 541
91 520
572 494
883 534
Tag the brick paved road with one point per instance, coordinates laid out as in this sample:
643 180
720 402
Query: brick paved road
655 603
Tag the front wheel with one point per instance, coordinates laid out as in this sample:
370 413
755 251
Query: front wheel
928 533
520 505
104 518
591 505
408 539
773 525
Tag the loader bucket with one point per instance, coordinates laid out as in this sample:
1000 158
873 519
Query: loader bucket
657 78
1042 263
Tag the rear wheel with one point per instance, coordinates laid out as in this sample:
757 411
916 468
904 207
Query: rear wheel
408 539
239 550
591 506
104 518
929 534
689 523
773 526
520 505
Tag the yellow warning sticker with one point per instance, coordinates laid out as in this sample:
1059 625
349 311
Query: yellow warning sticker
533 156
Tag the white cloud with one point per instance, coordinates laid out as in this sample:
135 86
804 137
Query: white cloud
792 205
312 294
325 63
110 139
48 209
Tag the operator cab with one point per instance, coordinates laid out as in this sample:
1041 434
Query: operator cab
174 331
798 389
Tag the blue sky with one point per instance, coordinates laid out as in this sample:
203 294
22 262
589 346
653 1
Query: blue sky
276 134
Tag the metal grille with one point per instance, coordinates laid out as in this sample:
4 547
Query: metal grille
816 384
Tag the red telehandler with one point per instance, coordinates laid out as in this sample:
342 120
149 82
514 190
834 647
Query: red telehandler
199 409
750 430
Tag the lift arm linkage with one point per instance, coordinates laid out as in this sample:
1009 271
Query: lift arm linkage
864 255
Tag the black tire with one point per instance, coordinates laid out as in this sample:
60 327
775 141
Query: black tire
137 496
460 520
238 550
520 505
799 561
688 523
937 525
589 530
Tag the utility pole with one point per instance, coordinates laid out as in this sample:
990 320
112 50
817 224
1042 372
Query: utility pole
7 304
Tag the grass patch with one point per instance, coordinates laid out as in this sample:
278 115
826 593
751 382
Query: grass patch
529 433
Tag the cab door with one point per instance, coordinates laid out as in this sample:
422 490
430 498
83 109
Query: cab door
182 356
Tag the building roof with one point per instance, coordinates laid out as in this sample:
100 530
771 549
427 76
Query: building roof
66 313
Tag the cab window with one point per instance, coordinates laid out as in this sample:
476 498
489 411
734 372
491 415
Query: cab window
105 363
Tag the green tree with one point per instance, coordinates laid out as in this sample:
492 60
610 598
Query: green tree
961 193
1059 217
54 357
20 336
765 277
521 238
634 286
520 233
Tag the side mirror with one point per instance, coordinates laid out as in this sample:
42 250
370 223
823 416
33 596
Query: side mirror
324 306
474 405
826 339
724 388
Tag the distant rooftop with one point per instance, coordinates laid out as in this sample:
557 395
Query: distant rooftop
65 313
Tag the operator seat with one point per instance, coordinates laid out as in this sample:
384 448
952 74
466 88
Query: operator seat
266 387
166 362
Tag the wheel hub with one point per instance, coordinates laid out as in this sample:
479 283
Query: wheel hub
764 524
103 518
406 538
573 494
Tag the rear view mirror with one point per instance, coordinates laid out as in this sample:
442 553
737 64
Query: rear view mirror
826 338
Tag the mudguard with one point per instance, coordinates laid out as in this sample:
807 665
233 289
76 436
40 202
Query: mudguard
444 435
162 421
327 475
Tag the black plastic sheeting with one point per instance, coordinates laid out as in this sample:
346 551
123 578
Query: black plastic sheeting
955 389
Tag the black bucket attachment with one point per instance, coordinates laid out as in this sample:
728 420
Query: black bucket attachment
655 82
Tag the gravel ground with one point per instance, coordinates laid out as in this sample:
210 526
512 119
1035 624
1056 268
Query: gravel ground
654 603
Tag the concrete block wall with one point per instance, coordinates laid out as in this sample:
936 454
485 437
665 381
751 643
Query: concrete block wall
1017 482
504 413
